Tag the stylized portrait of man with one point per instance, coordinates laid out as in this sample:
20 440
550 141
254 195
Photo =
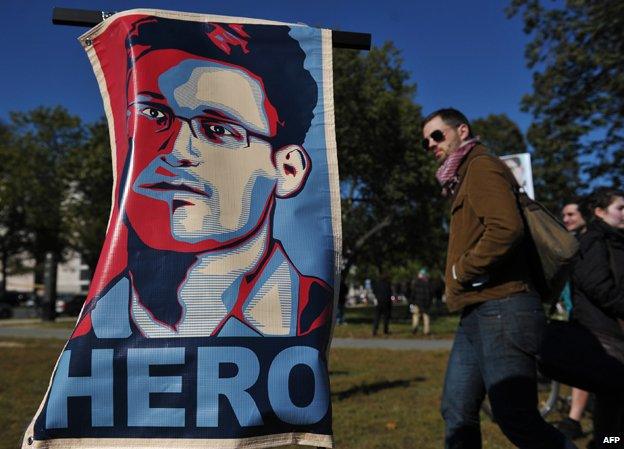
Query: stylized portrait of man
224 227
215 125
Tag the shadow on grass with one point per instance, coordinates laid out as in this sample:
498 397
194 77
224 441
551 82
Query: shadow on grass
338 373
367 389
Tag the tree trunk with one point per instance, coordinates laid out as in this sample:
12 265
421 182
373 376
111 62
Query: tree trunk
48 307
3 286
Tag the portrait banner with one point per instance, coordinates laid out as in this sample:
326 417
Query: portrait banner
210 312
520 166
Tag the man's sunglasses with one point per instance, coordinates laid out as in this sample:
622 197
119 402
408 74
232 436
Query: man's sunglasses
437 136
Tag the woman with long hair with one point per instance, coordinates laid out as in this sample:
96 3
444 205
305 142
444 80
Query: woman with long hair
598 294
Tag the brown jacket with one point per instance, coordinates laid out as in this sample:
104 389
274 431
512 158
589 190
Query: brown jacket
486 238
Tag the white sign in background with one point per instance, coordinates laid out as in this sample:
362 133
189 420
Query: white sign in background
520 165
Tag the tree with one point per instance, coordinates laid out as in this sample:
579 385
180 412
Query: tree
555 166
89 178
13 235
578 86
500 134
43 139
391 207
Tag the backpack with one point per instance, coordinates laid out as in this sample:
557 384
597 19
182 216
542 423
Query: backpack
552 246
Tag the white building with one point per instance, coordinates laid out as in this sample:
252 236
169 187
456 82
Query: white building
73 277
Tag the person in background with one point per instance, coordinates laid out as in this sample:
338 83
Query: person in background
422 297
383 293
571 425
342 300
598 295
573 218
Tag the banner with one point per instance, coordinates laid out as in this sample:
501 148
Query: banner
209 316
520 166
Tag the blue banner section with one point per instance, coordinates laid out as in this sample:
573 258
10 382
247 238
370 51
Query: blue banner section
191 388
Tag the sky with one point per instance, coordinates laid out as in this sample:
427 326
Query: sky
467 55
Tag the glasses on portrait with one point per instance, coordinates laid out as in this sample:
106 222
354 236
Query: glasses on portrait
437 136
205 128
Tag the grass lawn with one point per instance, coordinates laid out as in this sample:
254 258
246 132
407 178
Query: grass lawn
381 399
25 368
359 324
65 323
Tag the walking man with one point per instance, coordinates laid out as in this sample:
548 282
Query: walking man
487 278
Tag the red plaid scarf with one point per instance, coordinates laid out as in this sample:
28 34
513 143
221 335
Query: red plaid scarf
447 172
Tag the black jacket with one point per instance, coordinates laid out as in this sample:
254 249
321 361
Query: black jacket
421 293
598 280
383 293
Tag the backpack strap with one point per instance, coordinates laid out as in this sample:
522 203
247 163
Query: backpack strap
612 263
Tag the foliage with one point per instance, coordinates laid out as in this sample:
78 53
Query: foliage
13 236
44 137
555 167
577 50
500 134
89 181
391 208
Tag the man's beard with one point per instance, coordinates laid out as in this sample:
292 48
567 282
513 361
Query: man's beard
157 276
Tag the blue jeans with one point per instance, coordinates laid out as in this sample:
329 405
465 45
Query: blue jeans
494 352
